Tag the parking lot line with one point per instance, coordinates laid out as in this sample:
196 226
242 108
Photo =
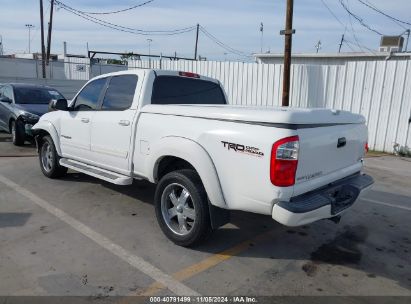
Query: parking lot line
205 264
385 204
137 262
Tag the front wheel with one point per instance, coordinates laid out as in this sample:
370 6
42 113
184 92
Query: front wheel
17 132
182 208
49 159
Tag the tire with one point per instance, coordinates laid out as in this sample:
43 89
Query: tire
49 159
17 132
183 217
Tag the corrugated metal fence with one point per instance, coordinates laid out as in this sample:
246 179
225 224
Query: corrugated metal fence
379 90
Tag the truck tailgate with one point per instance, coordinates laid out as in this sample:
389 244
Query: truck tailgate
328 153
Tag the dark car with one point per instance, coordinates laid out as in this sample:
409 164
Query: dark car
21 106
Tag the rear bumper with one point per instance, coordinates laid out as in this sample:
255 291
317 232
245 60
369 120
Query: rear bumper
325 202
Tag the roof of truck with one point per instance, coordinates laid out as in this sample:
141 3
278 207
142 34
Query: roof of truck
158 72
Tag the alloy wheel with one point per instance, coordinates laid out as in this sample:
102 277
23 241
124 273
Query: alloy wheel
47 157
178 209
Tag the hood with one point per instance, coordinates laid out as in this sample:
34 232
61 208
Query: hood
268 115
37 109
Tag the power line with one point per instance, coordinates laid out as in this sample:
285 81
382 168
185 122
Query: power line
362 45
349 44
371 6
118 11
123 28
142 32
218 42
359 19
334 15
223 45
354 34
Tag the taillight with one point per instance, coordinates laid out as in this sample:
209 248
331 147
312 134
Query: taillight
189 74
284 160
366 148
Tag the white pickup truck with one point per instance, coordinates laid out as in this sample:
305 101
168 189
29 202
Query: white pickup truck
175 129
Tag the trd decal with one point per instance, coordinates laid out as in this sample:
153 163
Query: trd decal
242 148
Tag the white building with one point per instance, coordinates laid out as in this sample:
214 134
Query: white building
331 58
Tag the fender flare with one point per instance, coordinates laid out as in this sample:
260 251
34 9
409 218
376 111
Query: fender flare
197 156
50 129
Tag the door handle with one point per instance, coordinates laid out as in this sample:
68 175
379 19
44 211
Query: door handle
124 122
85 120
341 142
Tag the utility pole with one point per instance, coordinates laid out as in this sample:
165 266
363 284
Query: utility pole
196 47
49 31
288 32
29 26
318 46
43 51
341 42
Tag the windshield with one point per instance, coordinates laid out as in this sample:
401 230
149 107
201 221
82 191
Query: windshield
35 95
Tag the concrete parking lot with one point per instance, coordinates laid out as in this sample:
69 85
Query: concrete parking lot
82 236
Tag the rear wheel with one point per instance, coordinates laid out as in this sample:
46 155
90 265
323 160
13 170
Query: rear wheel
17 132
49 159
182 208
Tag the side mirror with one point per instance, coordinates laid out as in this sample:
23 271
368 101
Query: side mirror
61 104
5 99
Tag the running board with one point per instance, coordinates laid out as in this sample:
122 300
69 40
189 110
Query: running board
108 176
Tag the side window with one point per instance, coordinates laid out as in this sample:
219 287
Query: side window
88 98
7 91
120 92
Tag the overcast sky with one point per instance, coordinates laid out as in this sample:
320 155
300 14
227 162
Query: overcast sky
234 22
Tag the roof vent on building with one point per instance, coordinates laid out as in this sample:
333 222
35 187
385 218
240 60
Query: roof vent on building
391 44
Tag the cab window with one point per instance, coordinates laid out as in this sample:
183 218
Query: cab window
120 93
88 98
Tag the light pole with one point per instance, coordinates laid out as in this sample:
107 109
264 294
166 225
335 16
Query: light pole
262 37
29 26
149 51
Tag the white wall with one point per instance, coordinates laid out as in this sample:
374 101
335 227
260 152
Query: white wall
379 90
72 68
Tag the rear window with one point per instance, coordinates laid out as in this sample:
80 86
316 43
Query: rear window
180 90
24 95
